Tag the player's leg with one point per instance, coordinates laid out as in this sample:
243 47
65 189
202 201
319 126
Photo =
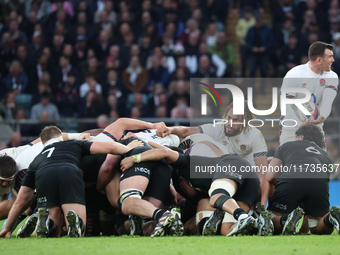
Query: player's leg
49 223
221 193
229 222
75 217
208 219
326 224
284 205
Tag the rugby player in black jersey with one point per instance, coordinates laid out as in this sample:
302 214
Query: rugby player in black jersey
307 182
59 184
243 189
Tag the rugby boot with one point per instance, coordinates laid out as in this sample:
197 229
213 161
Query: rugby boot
211 225
293 221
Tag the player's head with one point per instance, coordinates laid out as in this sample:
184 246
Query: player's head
231 129
311 133
49 132
8 170
321 54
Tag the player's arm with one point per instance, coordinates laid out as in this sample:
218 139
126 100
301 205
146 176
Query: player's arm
272 175
20 205
119 126
5 206
76 136
328 97
180 131
113 147
168 155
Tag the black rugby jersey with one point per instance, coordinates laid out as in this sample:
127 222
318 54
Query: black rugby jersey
68 153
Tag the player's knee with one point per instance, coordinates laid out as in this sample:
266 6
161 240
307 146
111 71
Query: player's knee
220 192
127 198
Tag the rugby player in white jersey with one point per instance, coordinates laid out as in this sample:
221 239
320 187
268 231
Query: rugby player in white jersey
316 76
247 142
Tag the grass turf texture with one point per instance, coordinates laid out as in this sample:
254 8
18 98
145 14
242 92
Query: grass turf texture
173 245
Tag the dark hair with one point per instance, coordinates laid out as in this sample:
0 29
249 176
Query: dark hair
312 133
317 50
8 167
48 133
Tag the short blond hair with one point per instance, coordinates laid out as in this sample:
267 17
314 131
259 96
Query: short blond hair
49 132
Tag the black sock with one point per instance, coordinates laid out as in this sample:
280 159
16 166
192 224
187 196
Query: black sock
327 221
283 219
52 228
157 214
238 212
201 224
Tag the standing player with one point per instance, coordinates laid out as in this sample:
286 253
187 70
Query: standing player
59 183
247 142
316 76
308 184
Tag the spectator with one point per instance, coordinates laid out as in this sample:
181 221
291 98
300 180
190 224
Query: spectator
45 106
7 51
16 80
35 49
218 66
112 81
112 61
103 45
63 5
112 16
161 112
89 85
67 102
22 58
28 25
242 28
125 49
282 35
103 23
135 76
191 28
157 74
80 49
289 56
63 69
191 51
16 140
336 52
17 36
92 105
181 91
9 107
135 113
205 69
146 48
181 110
43 88
285 10
102 121
224 51
210 35
36 73
42 8
259 41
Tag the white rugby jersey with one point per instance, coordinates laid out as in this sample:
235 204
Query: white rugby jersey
23 160
303 77
148 134
248 144
14 152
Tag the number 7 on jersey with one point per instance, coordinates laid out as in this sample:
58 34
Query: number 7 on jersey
50 152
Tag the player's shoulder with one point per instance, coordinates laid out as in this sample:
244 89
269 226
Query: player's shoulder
252 132
297 71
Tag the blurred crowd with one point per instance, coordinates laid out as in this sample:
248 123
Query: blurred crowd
134 58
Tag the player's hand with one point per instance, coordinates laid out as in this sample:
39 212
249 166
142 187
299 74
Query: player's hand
129 135
163 131
126 163
5 233
159 125
135 144
85 136
319 120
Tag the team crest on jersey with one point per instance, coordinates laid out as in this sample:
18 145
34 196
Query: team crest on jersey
304 84
322 82
225 142
243 147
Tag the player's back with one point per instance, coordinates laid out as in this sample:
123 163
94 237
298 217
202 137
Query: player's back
304 157
62 153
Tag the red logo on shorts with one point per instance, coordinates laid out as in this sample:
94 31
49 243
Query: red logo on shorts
243 147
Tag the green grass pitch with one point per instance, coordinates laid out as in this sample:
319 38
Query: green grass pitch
196 245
